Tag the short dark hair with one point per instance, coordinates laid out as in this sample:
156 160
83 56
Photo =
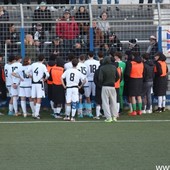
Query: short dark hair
145 56
100 54
52 57
82 57
25 62
71 56
118 54
74 62
41 57
91 53
11 58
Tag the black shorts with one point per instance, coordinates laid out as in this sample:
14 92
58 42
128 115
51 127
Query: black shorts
58 94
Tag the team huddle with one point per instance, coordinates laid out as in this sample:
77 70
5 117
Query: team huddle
84 80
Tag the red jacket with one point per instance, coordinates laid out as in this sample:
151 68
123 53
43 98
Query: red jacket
67 29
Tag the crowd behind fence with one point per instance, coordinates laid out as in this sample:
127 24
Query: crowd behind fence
37 29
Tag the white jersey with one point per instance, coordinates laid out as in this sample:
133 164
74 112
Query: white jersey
68 65
15 66
84 70
73 77
38 71
8 71
22 73
92 66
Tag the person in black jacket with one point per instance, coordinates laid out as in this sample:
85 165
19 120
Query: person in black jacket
108 75
43 14
160 80
148 77
133 46
153 47
98 98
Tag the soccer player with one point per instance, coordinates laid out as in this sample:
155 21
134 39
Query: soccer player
72 77
39 74
25 86
15 84
69 63
8 81
92 66
84 70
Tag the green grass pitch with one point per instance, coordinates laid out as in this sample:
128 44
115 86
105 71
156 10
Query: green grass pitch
132 143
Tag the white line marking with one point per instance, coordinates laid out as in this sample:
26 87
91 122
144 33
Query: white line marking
119 121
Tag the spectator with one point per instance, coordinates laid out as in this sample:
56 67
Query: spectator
12 1
109 2
12 37
103 24
67 30
113 42
141 2
56 47
83 15
43 14
30 48
133 46
98 38
79 48
160 80
4 16
153 47
39 37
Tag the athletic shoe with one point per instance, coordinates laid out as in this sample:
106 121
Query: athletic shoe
133 113
108 120
57 116
163 109
114 119
1 114
25 115
66 118
72 119
159 110
10 113
80 116
18 114
33 114
37 117
148 111
96 117
90 115
143 111
139 112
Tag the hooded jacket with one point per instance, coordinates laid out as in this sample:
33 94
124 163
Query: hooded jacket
108 74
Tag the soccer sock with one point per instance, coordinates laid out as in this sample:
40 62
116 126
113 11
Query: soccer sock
164 101
160 100
134 107
58 110
68 110
118 107
37 109
23 106
130 106
139 106
98 107
88 107
52 105
11 107
15 104
73 112
32 107
80 109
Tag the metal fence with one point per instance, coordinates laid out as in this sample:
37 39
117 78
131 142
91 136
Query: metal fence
29 29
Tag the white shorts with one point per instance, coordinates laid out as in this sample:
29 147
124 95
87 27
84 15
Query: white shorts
72 95
15 92
37 91
91 89
25 92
